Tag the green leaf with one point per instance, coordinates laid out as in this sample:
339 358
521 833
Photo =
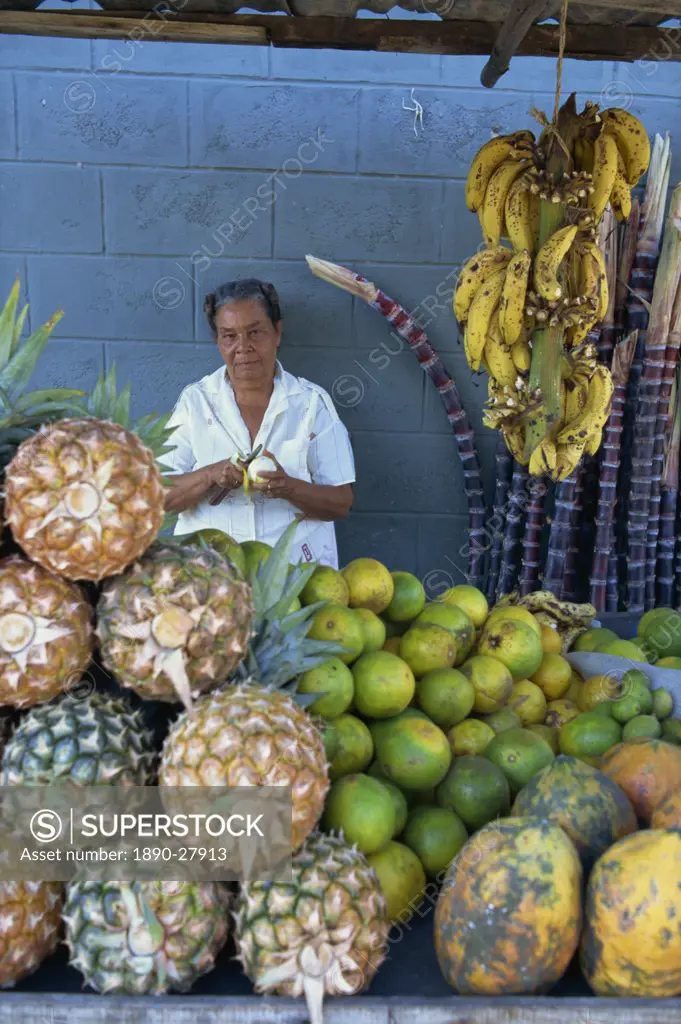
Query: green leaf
16 375
7 319
49 395
273 573
120 411
18 328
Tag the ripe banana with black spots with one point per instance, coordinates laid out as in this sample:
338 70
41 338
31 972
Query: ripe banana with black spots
486 161
576 394
475 271
480 314
548 262
520 216
497 356
512 303
593 442
567 459
604 172
632 141
620 197
593 280
515 442
595 412
492 213
543 458
521 354
565 613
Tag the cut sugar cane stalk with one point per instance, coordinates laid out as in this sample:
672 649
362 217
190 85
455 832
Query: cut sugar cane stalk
504 471
517 504
560 533
669 501
431 364
573 561
531 550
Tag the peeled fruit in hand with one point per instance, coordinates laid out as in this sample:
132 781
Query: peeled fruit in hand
339 624
261 464
373 630
498 932
446 696
589 640
553 676
492 682
436 835
384 684
427 647
515 645
512 611
362 810
470 600
401 878
325 584
520 754
369 583
631 944
528 702
355 746
470 737
550 640
334 681
408 598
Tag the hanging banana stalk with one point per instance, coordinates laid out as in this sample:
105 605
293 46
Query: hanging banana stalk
430 363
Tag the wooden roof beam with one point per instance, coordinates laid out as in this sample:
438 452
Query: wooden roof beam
522 14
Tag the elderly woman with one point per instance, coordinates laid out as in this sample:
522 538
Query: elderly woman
253 401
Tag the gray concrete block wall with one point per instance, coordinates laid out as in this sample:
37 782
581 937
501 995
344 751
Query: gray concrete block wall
137 175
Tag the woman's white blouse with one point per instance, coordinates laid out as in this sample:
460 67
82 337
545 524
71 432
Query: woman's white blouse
300 427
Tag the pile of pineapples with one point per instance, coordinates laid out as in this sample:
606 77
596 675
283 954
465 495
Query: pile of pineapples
83 500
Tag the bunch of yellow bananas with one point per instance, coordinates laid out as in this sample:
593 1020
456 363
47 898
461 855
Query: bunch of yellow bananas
494 178
616 159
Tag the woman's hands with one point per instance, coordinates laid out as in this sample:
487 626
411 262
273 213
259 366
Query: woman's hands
278 484
226 475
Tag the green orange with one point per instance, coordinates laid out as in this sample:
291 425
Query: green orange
401 878
362 809
427 647
334 681
220 542
520 754
373 629
492 682
384 684
475 789
436 835
370 584
408 598
589 736
325 584
470 737
456 621
355 746
471 600
339 624
446 696
255 552
413 752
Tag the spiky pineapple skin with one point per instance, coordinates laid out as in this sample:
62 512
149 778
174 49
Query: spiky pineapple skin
96 741
250 736
41 485
30 925
333 905
103 946
196 581
41 671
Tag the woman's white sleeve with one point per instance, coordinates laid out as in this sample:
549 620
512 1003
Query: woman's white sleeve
181 459
330 459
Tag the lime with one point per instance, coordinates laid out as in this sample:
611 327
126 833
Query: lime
642 725
663 703
339 624
554 676
401 878
399 802
436 835
355 746
635 675
413 752
528 702
491 681
370 584
590 639
671 730
334 680
504 718
446 696
255 552
475 789
362 809
325 584
427 647
470 600
384 684
408 598
589 736
635 699
456 621
470 737
520 754
598 690
373 629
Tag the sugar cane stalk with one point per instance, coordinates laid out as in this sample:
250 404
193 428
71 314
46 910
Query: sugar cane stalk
609 471
573 560
517 503
669 501
560 533
431 364
607 240
531 552
504 470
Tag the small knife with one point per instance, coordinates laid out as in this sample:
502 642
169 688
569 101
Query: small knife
243 462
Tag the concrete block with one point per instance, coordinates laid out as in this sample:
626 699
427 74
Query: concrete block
424 291
113 119
47 208
149 55
472 389
529 74
159 372
346 218
8 143
69 364
292 127
645 78
197 214
314 314
455 125
114 297
400 472
392 539
356 66
24 52
461 234
442 550
365 398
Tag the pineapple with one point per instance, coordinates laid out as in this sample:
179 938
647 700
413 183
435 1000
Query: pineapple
323 933
250 736
92 742
45 633
85 496
176 624
145 938
30 923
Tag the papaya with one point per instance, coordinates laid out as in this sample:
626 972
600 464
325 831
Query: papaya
631 944
508 917
588 805
647 770
667 814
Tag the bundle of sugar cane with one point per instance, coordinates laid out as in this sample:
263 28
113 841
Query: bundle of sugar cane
530 561
609 471
504 472
513 529
575 557
669 499
431 364
560 534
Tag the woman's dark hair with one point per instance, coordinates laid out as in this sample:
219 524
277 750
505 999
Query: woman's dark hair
249 289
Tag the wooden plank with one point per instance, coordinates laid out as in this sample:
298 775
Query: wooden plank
588 42
522 14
